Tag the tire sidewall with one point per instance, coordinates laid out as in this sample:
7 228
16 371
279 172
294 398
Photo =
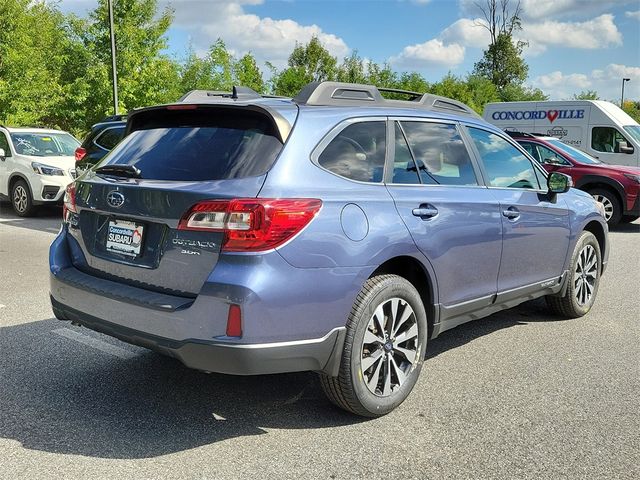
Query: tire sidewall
587 238
387 289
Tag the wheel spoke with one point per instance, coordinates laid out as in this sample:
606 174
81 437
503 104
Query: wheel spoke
393 316
407 334
372 383
410 355
399 373
367 362
378 317
386 390
406 315
370 337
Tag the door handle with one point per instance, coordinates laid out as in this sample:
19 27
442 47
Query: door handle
425 211
511 213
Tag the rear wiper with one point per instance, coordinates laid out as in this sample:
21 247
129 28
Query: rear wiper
128 171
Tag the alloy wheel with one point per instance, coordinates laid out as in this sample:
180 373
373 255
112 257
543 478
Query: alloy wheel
390 347
585 275
607 204
20 198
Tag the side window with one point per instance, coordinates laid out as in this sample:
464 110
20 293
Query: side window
531 150
606 139
440 153
357 152
109 138
505 165
4 144
404 168
548 154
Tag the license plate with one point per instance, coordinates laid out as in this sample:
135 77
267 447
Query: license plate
124 237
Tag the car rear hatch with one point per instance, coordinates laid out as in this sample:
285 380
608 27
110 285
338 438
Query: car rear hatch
128 208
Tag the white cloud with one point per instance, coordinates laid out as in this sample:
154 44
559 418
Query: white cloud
607 82
467 32
430 53
635 15
268 38
600 32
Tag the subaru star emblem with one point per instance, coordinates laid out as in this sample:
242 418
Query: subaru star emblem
115 199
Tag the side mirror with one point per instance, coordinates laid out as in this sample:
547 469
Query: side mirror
624 147
2 154
559 182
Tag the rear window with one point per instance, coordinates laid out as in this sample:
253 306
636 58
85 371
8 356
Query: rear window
199 147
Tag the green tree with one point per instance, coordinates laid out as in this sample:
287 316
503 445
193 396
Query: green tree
502 62
352 69
145 75
247 73
632 108
32 59
586 95
307 63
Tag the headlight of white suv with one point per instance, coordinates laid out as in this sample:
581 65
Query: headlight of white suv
42 169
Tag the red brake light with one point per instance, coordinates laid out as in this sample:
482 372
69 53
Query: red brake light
252 224
80 153
69 201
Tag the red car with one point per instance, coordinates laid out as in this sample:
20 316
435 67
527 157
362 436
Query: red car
615 186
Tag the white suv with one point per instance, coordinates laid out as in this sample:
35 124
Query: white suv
36 165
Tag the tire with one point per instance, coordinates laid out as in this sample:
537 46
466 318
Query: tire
629 218
21 199
392 352
611 203
583 281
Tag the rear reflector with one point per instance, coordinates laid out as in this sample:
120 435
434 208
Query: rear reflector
234 321
251 224
80 153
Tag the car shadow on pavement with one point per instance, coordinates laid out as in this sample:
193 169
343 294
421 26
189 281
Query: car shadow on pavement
46 218
626 227
60 396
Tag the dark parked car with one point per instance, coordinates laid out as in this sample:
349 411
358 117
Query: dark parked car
616 187
100 141
334 232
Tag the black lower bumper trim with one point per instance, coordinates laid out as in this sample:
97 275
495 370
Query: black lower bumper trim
321 354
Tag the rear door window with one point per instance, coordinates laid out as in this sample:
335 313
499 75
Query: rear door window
505 165
357 152
200 146
440 153
109 137
404 167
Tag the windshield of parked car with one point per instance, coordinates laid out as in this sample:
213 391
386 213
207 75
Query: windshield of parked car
44 144
633 131
574 153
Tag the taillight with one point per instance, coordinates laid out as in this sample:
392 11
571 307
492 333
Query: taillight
80 153
69 204
252 224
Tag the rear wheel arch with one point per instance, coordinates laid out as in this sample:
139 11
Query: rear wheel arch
412 270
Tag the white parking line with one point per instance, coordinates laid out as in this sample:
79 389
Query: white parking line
95 343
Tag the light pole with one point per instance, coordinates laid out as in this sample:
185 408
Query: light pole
622 96
113 59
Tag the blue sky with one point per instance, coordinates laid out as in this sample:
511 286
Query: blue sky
574 45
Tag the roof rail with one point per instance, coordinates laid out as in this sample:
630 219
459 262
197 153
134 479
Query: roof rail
338 93
238 93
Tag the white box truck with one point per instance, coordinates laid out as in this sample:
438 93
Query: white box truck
598 128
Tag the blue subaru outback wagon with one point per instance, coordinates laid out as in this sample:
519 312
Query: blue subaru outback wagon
334 232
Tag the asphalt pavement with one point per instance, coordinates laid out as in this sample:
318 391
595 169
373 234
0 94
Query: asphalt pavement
520 394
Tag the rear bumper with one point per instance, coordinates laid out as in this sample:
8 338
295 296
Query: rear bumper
321 354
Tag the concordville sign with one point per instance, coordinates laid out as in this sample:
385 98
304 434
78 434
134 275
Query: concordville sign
550 115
